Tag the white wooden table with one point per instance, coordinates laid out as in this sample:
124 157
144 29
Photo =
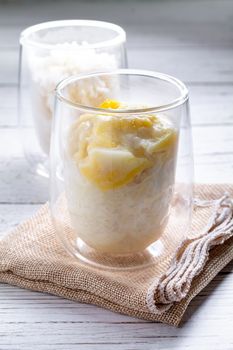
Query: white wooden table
192 40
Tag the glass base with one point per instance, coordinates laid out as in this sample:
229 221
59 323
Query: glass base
42 169
139 260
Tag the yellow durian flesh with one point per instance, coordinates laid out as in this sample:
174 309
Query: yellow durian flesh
111 150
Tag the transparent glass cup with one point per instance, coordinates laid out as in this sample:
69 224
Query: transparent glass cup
122 173
49 53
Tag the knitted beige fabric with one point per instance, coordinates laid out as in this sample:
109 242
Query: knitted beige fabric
32 257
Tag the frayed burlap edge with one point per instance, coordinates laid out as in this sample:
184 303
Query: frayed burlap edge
191 257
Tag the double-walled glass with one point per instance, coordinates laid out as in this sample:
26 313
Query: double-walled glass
122 172
49 53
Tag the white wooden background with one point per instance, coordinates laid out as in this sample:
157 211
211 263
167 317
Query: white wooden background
190 39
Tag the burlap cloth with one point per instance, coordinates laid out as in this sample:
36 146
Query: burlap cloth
32 257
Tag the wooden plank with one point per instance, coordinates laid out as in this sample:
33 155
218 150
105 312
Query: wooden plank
174 61
42 321
216 140
210 105
213 163
29 188
8 106
9 66
210 140
14 169
12 215
190 65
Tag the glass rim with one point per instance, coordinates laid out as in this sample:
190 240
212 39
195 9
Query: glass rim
118 39
137 72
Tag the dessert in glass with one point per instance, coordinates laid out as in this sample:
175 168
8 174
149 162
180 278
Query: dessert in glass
51 52
121 167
